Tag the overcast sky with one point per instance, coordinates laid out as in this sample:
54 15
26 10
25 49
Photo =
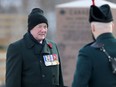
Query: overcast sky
7 3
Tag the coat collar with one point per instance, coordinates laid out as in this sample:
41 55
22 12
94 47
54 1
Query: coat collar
46 48
31 44
104 36
99 41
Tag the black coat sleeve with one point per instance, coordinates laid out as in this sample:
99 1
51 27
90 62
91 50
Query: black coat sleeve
13 66
83 71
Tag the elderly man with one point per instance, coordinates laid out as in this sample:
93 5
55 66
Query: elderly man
34 61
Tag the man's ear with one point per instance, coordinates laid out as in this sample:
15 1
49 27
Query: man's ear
92 27
113 26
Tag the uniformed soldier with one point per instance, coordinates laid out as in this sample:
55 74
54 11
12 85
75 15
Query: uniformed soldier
34 61
94 63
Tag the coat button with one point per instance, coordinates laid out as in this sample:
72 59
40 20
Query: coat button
43 76
53 75
40 61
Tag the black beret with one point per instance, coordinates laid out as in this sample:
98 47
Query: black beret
36 17
100 14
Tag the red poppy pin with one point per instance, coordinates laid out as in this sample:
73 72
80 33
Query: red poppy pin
50 45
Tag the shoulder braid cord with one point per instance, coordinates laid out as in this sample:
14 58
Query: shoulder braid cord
111 60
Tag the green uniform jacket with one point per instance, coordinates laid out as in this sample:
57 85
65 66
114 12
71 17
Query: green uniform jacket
25 65
93 68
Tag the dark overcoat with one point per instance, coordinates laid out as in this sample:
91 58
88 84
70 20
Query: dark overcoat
93 68
25 65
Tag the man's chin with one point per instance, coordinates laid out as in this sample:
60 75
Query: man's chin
40 39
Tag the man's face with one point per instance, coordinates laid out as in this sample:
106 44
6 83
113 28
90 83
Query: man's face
39 32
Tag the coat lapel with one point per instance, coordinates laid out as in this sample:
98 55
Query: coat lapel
46 49
37 50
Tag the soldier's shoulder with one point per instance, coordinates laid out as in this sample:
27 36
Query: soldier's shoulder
93 45
87 47
16 43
